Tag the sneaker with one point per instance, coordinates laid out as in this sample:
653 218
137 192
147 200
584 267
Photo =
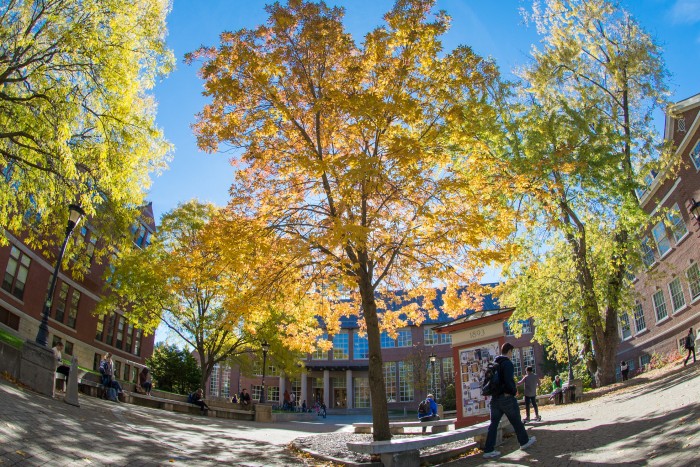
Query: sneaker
539 419
525 420
529 443
489 455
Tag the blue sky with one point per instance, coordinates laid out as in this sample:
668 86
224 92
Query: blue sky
492 28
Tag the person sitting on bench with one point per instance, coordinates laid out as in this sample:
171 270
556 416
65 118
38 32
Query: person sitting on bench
145 381
197 398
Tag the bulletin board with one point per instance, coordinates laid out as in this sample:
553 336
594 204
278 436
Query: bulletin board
473 362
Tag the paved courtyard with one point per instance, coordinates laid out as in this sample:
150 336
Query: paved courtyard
656 423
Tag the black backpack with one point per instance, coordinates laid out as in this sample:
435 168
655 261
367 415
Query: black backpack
492 384
689 343
424 407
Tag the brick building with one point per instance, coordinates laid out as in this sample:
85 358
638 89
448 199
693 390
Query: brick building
668 289
26 276
340 376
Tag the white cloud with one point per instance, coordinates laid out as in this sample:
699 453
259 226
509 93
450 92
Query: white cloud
685 11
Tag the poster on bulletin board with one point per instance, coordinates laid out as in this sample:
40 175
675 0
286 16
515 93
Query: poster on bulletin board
473 362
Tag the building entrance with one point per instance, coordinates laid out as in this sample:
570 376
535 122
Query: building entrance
340 398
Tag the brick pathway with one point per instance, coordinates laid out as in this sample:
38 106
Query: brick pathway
654 424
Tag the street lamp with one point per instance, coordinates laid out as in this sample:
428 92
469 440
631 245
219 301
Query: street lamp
76 213
565 322
265 347
432 365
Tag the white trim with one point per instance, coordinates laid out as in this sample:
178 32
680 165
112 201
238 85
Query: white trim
664 335
665 198
662 320
686 235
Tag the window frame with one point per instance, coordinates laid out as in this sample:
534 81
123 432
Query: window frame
659 240
20 269
682 305
639 313
658 306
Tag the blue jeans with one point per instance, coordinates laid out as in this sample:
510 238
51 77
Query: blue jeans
507 405
528 401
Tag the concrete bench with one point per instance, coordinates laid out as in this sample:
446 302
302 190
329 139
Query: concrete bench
405 452
397 428
174 405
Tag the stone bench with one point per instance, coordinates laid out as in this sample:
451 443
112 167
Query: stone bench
174 405
397 428
405 452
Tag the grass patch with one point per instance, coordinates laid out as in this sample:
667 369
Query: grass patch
9 338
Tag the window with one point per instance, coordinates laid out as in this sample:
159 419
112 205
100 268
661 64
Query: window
68 348
273 393
676 292
99 330
404 338
663 244
129 337
678 228
680 124
360 393
648 255
90 240
73 308
695 155
62 298
296 390
272 370
405 381
360 347
341 348
448 372
625 326
644 360
127 371
137 343
445 338
390 381
639 322
660 305
320 354
257 368
693 275
255 392
134 374
527 326
430 337
508 330
528 357
226 382
117 368
110 327
681 345
96 362
648 180
140 235
120 333
56 339
214 381
16 273
517 365
386 341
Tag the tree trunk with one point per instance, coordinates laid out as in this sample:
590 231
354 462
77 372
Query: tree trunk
380 412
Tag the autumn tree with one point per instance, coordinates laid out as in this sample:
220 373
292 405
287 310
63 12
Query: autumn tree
366 157
77 122
206 278
581 144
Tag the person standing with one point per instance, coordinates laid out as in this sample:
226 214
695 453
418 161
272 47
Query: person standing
690 346
60 367
624 370
293 401
531 382
505 403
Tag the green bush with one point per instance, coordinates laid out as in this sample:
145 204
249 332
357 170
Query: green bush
11 339
545 386
449 401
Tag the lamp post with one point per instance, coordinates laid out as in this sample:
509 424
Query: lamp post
565 322
76 213
432 366
265 347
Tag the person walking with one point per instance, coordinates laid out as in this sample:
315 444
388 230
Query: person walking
531 382
690 346
624 370
505 403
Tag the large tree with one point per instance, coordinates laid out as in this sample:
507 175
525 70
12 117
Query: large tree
582 143
365 156
77 124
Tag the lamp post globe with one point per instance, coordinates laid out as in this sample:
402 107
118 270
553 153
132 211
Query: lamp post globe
76 213
265 347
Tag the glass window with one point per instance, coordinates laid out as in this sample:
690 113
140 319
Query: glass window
517 365
676 291
296 389
137 343
255 392
360 347
430 337
675 219
68 348
693 274
648 254
404 338
386 341
644 360
320 354
528 357
257 367
445 338
273 394
527 326
134 374
405 381
507 329
695 155
16 273
214 381
625 326
226 382
127 372
117 368
129 337
61 300
120 333
663 244
73 308
639 321
448 372
660 305
361 393
110 327
390 381
96 362
99 330
341 348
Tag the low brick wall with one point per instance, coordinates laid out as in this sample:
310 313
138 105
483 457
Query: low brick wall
10 359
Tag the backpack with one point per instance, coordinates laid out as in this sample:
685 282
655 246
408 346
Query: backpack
424 407
492 384
688 343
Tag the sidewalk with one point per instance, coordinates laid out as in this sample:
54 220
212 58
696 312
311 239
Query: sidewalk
654 424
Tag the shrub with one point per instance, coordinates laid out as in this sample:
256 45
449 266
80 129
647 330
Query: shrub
449 400
545 385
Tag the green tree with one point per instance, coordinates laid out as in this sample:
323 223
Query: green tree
357 155
582 143
76 121
174 369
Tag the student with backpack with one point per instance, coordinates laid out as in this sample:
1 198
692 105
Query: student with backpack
500 385
690 346
428 410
